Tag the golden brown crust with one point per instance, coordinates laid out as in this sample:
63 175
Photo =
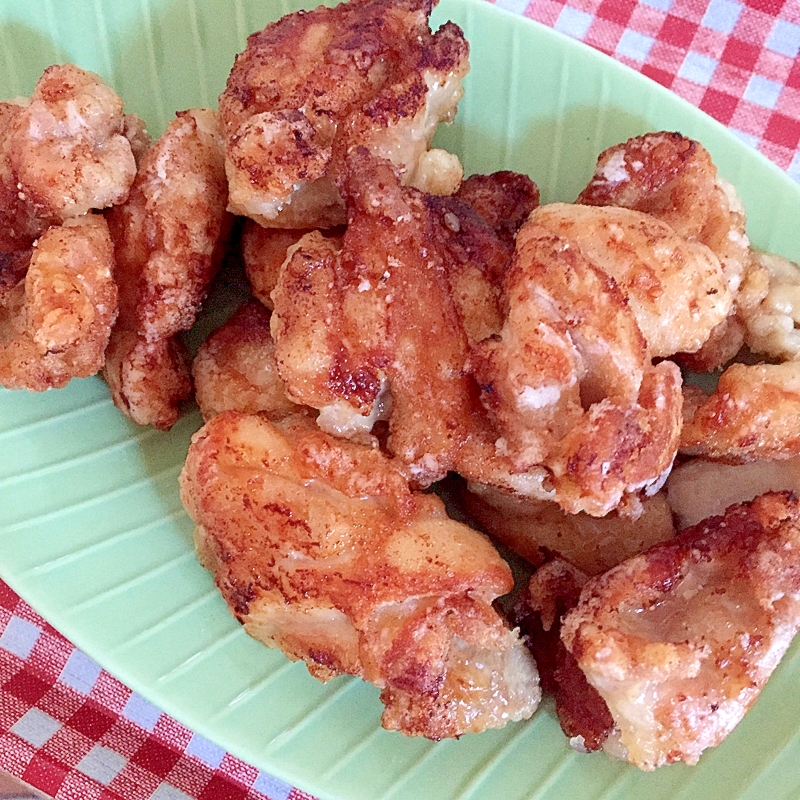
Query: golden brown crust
380 315
67 148
13 267
680 640
19 225
751 414
569 383
475 231
264 251
55 324
552 591
148 380
675 288
235 368
504 199
320 548
169 239
313 85
673 178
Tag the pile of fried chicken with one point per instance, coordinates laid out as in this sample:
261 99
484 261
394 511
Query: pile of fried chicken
406 325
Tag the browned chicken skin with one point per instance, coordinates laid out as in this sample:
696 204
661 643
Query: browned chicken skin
375 329
169 239
235 368
680 640
321 549
67 148
313 85
55 322
673 178
569 383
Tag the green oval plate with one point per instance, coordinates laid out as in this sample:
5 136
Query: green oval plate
92 533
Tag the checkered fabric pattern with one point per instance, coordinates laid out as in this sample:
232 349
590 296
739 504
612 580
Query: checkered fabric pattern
69 728
73 731
737 61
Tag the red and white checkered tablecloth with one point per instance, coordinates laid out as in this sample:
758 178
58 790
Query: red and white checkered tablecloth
737 61
73 731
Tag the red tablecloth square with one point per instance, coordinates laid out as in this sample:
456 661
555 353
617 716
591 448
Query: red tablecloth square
678 31
45 773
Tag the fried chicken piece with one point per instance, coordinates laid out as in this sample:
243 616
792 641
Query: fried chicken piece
148 380
553 590
535 528
724 343
68 149
13 267
264 251
480 223
62 153
772 325
700 488
19 225
373 328
674 179
504 199
752 414
319 548
135 131
169 239
55 323
235 368
569 383
675 288
313 85
383 320
680 640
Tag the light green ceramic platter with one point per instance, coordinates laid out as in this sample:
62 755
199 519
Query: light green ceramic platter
92 532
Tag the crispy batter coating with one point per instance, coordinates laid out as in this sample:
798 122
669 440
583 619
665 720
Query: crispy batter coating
13 267
753 413
135 131
320 548
235 368
553 590
313 85
680 640
171 233
19 225
148 380
568 379
674 179
265 249
724 343
536 528
675 288
772 325
504 199
55 323
479 225
68 149
373 328
169 240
